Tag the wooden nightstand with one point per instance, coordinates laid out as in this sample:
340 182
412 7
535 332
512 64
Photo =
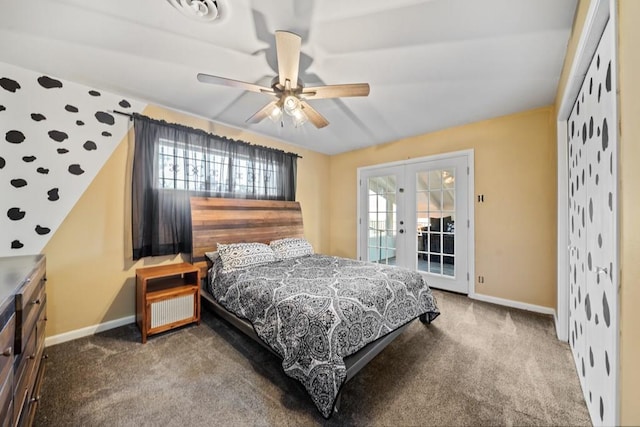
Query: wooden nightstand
167 296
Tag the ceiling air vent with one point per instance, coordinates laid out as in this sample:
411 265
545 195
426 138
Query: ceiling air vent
199 10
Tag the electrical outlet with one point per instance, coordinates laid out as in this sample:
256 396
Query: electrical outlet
480 279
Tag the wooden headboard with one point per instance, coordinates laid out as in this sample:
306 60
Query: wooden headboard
216 220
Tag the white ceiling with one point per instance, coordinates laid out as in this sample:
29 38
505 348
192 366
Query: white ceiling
431 64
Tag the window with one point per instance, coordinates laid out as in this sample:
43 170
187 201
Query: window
173 162
213 171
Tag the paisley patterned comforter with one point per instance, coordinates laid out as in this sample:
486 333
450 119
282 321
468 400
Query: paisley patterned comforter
316 310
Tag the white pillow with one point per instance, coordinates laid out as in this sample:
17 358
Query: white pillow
236 256
291 248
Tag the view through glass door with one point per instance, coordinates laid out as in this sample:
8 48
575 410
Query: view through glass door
417 218
381 228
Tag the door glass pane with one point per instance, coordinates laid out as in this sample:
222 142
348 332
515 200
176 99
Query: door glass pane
373 219
381 244
435 179
373 203
435 265
373 253
391 256
389 201
422 181
447 266
390 184
449 200
382 256
435 213
448 179
423 221
382 221
435 201
422 201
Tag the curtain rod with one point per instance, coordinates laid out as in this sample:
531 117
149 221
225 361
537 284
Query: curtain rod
123 114
131 118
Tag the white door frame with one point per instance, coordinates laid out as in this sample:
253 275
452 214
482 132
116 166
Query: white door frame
471 205
600 12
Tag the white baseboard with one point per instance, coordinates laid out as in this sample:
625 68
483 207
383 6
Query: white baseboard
514 304
89 330
101 327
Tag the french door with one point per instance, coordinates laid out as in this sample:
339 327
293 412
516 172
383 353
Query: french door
416 215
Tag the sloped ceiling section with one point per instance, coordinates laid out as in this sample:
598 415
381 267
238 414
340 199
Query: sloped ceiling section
55 136
431 64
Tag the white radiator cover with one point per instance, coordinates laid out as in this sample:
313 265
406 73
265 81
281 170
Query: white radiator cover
172 310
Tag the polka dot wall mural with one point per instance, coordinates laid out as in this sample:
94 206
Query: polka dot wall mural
592 232
55 136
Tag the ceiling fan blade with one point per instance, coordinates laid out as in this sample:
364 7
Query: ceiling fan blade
336 91
314 117
262 113
207 78
288 52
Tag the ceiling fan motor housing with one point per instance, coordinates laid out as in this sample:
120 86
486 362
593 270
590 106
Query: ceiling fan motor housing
199 10
277 87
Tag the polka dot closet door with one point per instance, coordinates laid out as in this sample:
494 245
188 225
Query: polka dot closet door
593 237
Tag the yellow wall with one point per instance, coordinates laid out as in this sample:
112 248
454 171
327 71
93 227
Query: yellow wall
629 70
515 168
91 276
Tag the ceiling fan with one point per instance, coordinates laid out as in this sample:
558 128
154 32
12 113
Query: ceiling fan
289 93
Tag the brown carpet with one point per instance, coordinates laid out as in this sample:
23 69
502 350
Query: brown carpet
477 364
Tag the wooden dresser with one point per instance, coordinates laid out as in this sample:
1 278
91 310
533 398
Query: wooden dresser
22 324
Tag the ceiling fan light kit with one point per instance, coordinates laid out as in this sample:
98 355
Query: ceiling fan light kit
290 95
291 104
276 114
293 107
299 117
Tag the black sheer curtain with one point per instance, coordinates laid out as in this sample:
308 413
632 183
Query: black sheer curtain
173 162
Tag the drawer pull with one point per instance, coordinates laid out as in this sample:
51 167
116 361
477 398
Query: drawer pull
7 352
33 356
36 301
35 399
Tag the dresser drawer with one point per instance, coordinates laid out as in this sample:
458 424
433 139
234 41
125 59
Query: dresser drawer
30 285
38 351
6 399
28 305
24 371
41 324
7 336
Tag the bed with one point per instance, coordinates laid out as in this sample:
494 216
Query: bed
322 364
